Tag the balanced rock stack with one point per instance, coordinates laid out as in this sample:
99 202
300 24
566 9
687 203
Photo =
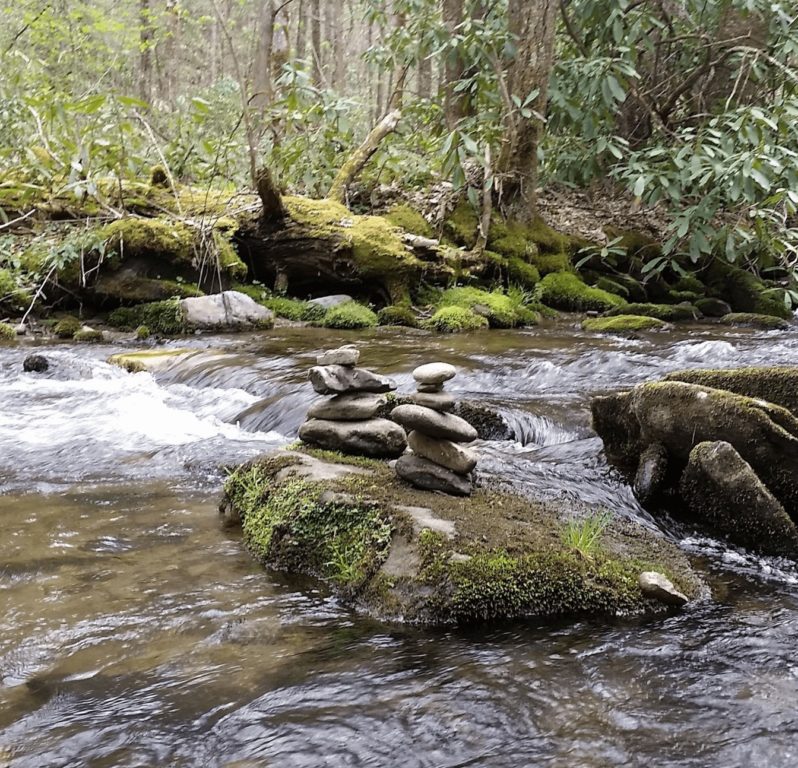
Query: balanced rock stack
346 421
439 461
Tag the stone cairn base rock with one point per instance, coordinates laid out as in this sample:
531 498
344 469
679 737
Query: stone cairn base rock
438 461
346 421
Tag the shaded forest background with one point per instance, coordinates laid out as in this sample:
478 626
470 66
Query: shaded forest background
686 110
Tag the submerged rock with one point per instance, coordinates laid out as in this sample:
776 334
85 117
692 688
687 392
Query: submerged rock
403 554
35 364
229 310
722 490
431 476
377 438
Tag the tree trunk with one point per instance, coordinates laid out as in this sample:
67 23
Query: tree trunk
145 56
301 29
315 41
262 78
533 23
453 67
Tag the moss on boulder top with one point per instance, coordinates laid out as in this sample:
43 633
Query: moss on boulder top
753 320
669 313
623 324
567 292
500 309
455 320
407 555
774 384
744 291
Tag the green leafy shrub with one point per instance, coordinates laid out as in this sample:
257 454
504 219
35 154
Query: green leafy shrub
350 315
455 320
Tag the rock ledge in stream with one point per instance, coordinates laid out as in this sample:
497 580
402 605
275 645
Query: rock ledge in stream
730 459
402 554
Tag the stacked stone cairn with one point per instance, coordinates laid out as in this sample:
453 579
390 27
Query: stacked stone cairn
439 461
347 420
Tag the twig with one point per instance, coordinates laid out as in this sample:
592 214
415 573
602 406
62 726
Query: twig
11 223
38 293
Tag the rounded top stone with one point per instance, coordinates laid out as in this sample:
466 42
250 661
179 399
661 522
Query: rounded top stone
434 373
349 355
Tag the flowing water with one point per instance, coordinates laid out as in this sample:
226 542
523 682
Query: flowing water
135 632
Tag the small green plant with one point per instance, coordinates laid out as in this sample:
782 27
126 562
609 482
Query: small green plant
584 535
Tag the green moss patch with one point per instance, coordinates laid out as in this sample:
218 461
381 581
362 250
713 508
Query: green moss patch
67 327
404 217
669 313
161 317
745 292
7 332
349 316
500 309
753 320
398 315
622 324
455 320
565 291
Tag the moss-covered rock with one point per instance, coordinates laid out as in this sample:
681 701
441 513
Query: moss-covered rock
349 316
669 313
521 273
161 317
398 315
7 332
147 360
565 291
461 226
623 324
91 335
455 320
774 384
67 327
404 554
751 320
500 309
745 292
712 307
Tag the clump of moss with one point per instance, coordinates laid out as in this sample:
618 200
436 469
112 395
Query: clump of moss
404 217
461 226
88 335
158 176
143 333
7 332
499 309
67 327
397 315
349 315
455 320
745 292
622 324
525 275
753 320
161 317
669 313
611 286
690 283
294 309
565 291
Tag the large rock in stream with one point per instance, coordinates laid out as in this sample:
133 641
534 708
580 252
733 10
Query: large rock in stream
404 554
677 421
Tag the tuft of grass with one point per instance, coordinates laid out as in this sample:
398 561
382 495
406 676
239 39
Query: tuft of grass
584 536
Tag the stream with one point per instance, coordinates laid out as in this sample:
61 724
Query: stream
134 631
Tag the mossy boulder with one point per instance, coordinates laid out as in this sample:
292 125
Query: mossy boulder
669 313
350 316
455 320
774 384
567 292
67 327
521 273
744 291
7 332
500 310
752 320
398 315
161 317
409 220
710 307
678 416
402 554
623 324
90 335
147 360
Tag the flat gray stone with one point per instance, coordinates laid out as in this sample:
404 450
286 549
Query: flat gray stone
443 452
434 373
657 587
356 406
339 379
327 302
346 355
428 476
431 423
438 401
229 310
377 438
